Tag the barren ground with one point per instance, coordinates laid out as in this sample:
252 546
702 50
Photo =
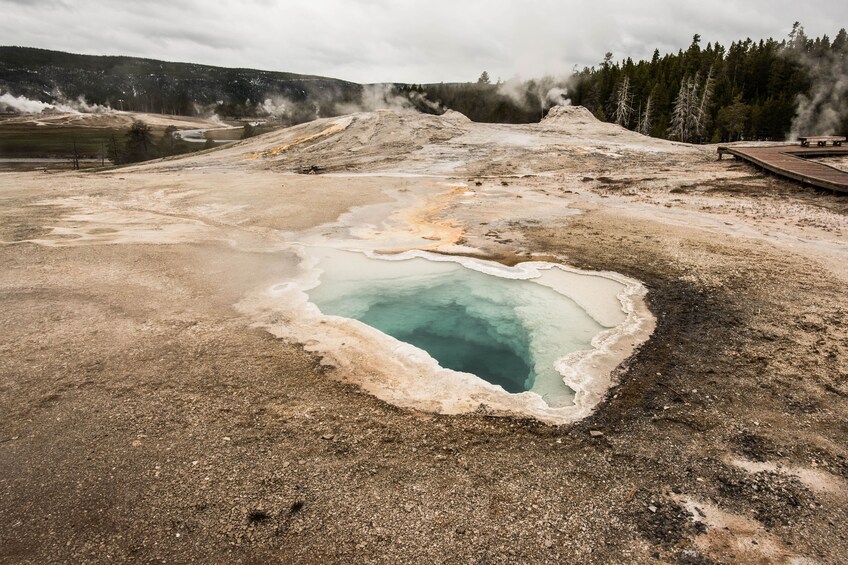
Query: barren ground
146 414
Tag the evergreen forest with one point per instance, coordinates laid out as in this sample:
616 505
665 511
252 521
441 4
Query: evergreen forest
748 90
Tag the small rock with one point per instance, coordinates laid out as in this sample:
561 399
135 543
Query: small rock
328 437
596 433
652 508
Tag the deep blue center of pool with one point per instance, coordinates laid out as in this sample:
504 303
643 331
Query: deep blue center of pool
456 337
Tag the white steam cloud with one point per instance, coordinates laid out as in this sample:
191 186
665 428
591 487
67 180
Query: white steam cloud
384 97
24 105
206 110
825 109
558 96
275 107
548 90
21 104
80 105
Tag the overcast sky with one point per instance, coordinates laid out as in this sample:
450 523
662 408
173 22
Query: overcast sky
402 40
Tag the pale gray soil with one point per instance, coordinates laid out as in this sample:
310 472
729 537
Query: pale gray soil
144 417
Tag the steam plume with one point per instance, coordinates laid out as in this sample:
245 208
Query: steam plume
384 97
24 105
825 110
548 90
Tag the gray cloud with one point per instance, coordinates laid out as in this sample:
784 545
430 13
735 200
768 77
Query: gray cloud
401 40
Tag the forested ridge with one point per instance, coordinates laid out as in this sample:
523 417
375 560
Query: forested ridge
749 90
148 85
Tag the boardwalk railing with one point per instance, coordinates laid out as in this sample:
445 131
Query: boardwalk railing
822 140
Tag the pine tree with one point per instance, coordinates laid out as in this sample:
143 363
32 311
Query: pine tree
700 125
139 145
692 112
797 37
623 103
684 117
679 115
840 42
646 118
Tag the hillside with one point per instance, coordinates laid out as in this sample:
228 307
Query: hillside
187 89
147 85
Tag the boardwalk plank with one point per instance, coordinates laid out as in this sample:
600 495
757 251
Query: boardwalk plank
793 162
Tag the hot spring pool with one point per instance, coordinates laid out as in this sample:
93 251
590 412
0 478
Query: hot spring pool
507 331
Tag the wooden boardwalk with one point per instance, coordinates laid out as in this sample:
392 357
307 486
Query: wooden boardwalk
793 161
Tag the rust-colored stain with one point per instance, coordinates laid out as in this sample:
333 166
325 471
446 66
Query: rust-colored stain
425 223
275 151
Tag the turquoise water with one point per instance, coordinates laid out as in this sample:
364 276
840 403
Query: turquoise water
507 332
484 339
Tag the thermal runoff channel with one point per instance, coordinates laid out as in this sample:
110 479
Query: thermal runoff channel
508 332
